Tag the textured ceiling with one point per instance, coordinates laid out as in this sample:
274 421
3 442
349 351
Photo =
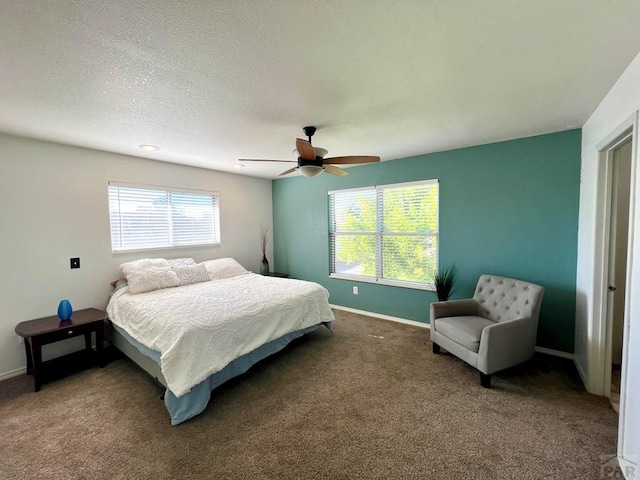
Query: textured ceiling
210 82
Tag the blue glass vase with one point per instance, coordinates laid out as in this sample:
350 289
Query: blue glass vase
65 310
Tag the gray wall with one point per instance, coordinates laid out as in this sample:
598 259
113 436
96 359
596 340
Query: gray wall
55 206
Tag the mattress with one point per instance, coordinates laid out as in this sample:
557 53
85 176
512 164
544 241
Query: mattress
199 329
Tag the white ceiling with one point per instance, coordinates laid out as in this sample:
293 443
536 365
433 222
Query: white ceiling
213 81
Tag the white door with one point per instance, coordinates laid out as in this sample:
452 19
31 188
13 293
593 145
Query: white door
623 154
618 248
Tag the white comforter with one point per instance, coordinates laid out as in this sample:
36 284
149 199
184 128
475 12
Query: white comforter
198 329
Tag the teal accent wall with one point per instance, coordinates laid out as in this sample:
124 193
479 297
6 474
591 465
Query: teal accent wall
508 208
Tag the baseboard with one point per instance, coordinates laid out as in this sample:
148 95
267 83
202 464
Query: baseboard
627 467
13 373
381 316
544 350
583 375
555 353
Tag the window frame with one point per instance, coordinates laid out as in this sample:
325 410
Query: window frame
217 234
379 235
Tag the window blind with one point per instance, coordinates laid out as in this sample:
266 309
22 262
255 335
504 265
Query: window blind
386 233
152 217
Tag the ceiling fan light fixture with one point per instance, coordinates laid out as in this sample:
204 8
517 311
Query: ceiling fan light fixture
310 170
312 161
321 152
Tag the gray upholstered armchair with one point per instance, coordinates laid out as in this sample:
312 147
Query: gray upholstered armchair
494 330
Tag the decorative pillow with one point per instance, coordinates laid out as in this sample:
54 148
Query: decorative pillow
192 274
181 262
149 274
223 268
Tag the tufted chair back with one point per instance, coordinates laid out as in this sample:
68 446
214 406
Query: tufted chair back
501 299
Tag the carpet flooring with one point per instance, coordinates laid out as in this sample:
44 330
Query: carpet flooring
370 401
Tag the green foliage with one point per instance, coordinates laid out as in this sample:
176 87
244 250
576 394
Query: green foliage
406 211
359 249
443 281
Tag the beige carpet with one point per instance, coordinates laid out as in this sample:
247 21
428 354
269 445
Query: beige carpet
370 401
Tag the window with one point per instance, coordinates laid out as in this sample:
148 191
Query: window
156 217
386 234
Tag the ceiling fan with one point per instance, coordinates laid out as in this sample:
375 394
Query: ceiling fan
311 161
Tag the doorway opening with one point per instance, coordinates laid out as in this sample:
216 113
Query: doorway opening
619 187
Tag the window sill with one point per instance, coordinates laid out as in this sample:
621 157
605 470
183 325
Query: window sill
168 247
384 281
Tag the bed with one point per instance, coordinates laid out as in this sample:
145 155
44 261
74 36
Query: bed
195 335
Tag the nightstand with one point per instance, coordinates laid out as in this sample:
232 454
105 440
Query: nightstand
276 274
43 331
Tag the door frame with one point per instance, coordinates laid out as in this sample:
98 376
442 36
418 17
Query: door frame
600 340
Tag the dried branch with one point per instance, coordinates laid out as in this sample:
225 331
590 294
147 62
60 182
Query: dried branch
263 239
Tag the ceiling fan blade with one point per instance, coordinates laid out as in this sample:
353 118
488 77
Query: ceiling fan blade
291 170
305 149
335 170
351 160
263 160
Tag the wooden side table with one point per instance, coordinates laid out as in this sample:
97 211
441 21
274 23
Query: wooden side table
43 331
277 274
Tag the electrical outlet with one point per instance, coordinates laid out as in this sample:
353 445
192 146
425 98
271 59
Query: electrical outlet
355 290
75 262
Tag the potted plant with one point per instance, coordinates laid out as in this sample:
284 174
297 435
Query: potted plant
443 280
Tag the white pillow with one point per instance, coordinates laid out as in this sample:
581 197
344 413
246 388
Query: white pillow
181 262
149 274
223 268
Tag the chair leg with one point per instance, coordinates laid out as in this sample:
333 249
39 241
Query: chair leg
485 380
436 348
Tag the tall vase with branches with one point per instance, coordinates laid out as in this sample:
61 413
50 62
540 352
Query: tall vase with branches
264 263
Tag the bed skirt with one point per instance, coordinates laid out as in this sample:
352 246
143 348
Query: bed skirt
195 401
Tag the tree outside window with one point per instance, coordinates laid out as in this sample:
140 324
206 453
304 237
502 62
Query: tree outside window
387 233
